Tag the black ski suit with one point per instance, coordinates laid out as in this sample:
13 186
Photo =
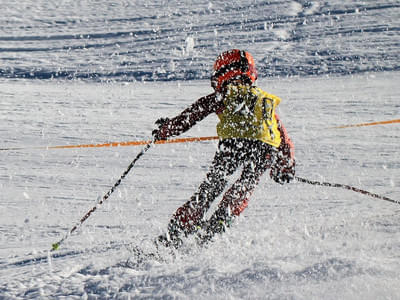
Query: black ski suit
253 155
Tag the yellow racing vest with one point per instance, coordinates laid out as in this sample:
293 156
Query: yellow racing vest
249 113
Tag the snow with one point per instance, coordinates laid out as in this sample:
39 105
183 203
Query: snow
294 241
332 64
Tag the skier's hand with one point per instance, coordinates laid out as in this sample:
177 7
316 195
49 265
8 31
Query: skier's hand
283 171
160 133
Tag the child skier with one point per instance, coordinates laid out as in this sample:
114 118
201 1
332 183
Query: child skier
251 136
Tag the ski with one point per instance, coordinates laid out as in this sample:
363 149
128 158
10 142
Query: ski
140 257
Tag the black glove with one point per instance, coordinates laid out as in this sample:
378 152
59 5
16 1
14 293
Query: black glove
160 133
283 171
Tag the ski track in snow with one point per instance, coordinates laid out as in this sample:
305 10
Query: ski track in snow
170 40
293 242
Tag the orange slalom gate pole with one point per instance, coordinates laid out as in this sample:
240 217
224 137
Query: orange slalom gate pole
177 140
138 143
122 144
369 124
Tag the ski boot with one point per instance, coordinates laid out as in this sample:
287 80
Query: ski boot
217 224
171 238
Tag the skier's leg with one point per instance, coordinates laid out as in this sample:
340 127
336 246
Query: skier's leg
190 215
236 199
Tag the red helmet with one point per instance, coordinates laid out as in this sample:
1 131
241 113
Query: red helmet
233 64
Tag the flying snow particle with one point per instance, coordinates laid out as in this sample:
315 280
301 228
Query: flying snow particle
189 45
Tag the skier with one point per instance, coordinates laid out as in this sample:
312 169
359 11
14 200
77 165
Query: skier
251 136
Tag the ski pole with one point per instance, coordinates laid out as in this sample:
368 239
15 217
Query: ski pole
347 187
55 246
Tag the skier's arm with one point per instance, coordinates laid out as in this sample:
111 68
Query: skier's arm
187 118
284 168
287 146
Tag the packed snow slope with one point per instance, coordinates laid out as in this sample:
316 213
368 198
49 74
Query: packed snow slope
169 40
294 241
79 72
